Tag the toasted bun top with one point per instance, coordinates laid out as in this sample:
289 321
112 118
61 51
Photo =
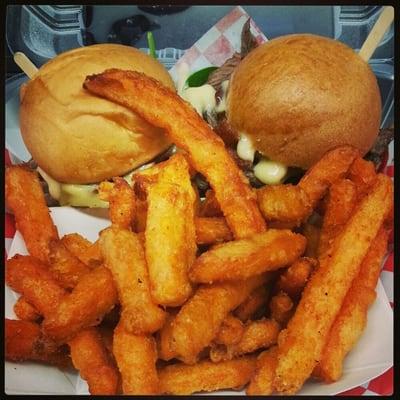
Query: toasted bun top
298 96
79 138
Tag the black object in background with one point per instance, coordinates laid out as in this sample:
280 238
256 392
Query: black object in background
162 10
129 30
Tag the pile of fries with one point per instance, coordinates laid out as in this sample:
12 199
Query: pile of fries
264 288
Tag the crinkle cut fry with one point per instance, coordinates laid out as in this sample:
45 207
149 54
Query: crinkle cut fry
256 335
243 258
230 332
24 341
294 279
24 196
93 296
206 376
352 318
65 267
25 310
331 167
281 307
75 243
301 344
124 257
31 278
312 233
261 382
257 300
136 357
291 205
170 222
89 356
201 317
121 200
342 199
284 203
211 230
363 174
163 108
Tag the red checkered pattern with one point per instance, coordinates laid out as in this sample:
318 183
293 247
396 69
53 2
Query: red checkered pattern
381 386
216 51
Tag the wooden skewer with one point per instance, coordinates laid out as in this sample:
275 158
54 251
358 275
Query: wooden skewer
375 36
25 64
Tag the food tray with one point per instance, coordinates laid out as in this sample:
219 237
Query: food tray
23 378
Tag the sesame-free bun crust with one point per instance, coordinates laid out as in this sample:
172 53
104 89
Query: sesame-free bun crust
301 95
79 138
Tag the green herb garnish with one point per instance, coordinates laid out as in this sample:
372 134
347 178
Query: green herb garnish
199 78
152 44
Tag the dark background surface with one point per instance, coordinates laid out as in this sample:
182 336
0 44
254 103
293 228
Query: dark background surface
44 31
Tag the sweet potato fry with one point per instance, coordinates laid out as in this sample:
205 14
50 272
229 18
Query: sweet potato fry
284 204
230 332
25 310
24 196
257 300
294 279
342 199
89 253
76 244
247 257
211 230
200 318
32 279
92 257
65 267
261 382
93 296
210 206
301 344
206 376
282 308
362 174
121 202
164 342
352 318
136 358
312 234
89 356
24 341
190 132
331 167
124 256
256 335
139 221
170 238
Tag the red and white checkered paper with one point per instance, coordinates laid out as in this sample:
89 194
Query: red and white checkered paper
213 48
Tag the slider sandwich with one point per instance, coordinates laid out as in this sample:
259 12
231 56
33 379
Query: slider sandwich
78 140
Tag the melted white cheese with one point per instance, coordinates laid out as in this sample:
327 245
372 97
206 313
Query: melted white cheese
72 194
245 148
202 98
270 172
